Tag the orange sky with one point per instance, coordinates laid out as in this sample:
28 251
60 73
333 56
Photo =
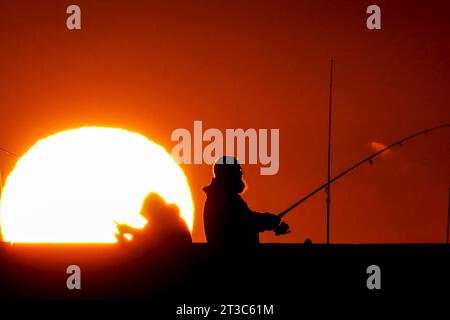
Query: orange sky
159 66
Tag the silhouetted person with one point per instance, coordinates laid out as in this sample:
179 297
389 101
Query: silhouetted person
161 247
228 221
165 228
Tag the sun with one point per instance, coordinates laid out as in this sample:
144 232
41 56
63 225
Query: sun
72 186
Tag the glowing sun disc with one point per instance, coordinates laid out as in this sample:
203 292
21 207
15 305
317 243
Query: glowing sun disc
71 186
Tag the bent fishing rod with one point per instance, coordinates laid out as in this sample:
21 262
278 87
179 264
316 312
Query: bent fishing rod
368 159
10 153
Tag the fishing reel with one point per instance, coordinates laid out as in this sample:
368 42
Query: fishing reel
281 229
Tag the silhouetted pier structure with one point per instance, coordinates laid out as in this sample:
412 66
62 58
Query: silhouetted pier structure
276 273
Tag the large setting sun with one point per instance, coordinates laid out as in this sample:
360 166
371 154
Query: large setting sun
72 186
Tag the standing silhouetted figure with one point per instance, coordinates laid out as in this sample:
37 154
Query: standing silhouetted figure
228 221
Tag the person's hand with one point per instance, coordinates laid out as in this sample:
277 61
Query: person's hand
124 228
272 220
282 228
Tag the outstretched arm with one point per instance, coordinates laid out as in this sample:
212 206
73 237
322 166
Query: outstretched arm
125 229
266 221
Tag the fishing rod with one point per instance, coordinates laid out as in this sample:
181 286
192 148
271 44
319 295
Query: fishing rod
368 159
10 153
328 188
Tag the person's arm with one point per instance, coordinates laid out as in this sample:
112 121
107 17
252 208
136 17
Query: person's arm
265 221
125 228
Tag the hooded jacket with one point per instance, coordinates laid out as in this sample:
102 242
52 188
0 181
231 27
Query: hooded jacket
229 223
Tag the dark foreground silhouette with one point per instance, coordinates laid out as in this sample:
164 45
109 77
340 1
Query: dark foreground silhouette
290 276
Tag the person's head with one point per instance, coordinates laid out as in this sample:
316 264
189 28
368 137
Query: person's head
164 222
227 170
155 207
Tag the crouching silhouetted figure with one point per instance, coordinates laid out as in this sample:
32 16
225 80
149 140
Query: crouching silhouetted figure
229 223
157 256
165 228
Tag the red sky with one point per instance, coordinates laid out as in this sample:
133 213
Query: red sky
156 66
